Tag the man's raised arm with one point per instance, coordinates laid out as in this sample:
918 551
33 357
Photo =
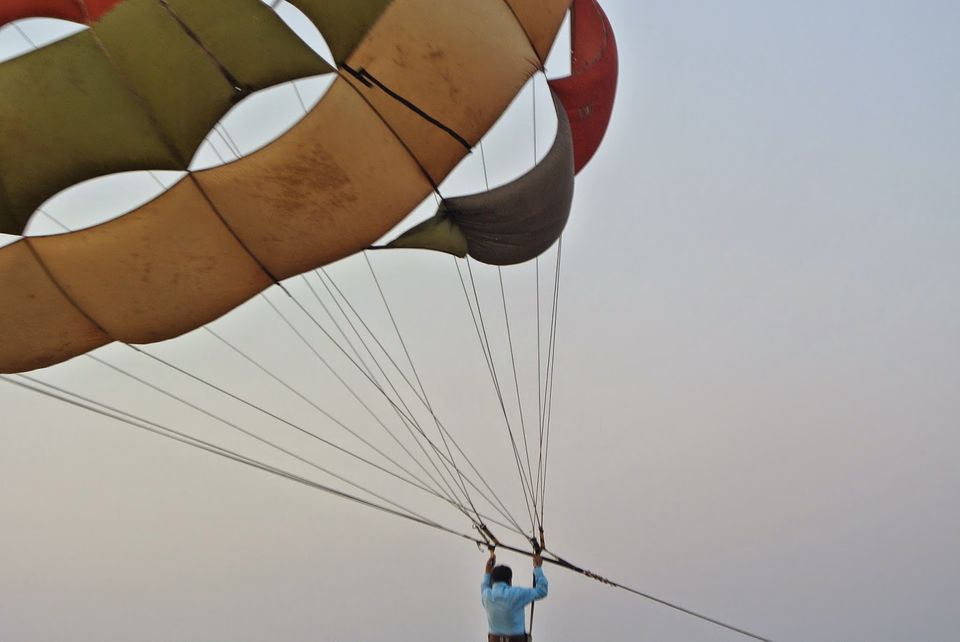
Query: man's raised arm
487 570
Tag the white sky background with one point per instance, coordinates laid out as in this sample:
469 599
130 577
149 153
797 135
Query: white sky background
756 402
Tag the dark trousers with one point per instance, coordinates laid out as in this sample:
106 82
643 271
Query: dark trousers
493 637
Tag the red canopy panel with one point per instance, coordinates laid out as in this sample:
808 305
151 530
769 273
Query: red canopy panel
82 11
587 94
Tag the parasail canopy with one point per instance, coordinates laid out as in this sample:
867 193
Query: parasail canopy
419 82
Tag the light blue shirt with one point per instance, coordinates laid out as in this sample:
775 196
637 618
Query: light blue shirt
505 603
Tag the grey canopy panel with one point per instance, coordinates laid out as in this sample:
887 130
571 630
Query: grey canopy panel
508 224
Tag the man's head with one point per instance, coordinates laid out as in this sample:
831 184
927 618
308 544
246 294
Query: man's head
501 574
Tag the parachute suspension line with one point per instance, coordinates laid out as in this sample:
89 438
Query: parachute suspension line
396 392
488 356
330 286
175 435
422 396
217 151
156 179
516 386
369 373
296 90
483 163
551 371
356 353
539 381
314 405
547 392
54 219
228 139
416 375
477 328
250 433
259 409
406 421
541 395
536 490
183 438
24 35
525 484
405 415
488 353
422 484
502 509
477 523
480 328
533 86
96 407
540 400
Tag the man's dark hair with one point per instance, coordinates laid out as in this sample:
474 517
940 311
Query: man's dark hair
501 574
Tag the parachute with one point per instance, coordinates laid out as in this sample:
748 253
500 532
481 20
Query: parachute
415 86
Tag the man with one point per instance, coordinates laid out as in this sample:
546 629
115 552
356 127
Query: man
505 603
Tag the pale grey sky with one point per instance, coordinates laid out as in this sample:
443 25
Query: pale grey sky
756 404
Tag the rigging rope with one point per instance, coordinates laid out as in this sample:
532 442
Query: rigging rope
157 428
505 511
407 419
525 482
416 375
345 427
250 433
516 385
447 461
488 353
551 368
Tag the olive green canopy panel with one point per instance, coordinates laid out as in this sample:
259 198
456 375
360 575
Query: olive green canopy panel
509 224
141 89
331 185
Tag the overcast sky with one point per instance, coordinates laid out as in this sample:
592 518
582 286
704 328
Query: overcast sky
755 406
